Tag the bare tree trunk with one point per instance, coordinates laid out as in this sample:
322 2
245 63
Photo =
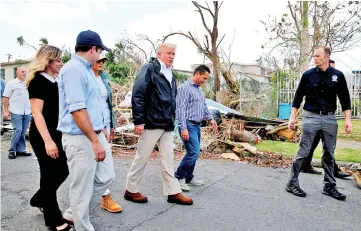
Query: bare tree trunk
304 42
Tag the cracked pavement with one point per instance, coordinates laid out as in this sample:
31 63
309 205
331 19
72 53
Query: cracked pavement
236 196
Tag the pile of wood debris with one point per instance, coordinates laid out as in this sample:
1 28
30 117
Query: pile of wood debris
234 140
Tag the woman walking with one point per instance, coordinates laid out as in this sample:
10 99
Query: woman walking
106 95
44 137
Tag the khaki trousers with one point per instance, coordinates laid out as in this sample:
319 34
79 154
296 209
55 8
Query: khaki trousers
146 143
88 178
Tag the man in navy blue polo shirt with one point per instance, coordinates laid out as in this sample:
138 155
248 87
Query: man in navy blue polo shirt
321 86
307 167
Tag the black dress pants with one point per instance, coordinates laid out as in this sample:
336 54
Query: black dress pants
53 172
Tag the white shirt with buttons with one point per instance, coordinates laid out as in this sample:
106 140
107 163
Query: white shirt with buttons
18 95
167 72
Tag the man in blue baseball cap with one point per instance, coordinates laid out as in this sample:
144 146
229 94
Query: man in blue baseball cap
90 38
81 121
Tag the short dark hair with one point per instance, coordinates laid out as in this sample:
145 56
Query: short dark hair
201 69
331 61
326 49
84 48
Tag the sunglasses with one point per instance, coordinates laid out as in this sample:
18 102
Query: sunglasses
101 61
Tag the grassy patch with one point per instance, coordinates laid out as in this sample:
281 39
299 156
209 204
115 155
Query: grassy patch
290 149
356 130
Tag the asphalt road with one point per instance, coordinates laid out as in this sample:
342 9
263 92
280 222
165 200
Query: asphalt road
236 196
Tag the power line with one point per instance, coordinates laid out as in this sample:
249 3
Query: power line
353 58
345 64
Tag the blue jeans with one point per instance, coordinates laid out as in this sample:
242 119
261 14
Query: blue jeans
186 167
20 125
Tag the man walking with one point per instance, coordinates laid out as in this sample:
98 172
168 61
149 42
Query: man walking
17 107
321 85
191 110
307 167
81 121
153 105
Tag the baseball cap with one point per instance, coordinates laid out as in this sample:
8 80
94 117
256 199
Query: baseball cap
90 38
102 56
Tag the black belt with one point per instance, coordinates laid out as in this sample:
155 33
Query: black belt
324 112
194 122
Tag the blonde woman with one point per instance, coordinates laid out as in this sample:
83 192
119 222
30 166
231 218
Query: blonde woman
43 134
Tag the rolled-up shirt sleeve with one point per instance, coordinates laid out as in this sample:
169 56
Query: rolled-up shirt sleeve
300 93
74 89
344 94
181 102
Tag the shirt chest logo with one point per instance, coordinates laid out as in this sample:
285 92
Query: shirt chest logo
334 78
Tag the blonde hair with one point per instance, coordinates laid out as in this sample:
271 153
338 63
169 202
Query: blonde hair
44 56
166 45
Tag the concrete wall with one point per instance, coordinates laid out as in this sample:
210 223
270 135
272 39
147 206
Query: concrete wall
9 69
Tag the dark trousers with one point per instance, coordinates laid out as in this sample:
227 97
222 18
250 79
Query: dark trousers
307 162
186 166
53 172
314 123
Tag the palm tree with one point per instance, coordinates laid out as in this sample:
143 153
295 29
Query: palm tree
43 41
22 42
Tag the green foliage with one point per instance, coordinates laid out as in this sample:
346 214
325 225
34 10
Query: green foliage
180 77
66 55
119 72
278 80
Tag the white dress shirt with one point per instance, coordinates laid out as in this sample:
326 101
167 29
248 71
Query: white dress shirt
18 95
167 72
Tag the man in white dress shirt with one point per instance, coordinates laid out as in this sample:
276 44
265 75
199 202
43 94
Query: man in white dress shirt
17 106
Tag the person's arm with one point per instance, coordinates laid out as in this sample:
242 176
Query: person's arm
300 93
6 107
74 88
345 101
82 120
36 109
140 94
6 95
181 107
206 114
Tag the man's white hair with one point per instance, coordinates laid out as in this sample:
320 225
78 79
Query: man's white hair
166 45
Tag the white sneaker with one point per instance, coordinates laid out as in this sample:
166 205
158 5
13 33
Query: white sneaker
183 185
196 182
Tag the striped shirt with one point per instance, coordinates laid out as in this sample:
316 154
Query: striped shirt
191 104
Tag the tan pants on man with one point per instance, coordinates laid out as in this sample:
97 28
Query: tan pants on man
146 143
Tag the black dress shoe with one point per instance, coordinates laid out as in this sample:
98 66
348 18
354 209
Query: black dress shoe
69 222
295 190
12 155
342 175
67 228
311 171
23 154
333 192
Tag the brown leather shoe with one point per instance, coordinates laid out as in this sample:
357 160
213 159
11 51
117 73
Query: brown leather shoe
180 199
135 197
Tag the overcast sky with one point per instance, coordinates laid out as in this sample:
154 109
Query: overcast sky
61 21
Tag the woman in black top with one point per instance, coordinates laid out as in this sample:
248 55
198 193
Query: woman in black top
44 137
